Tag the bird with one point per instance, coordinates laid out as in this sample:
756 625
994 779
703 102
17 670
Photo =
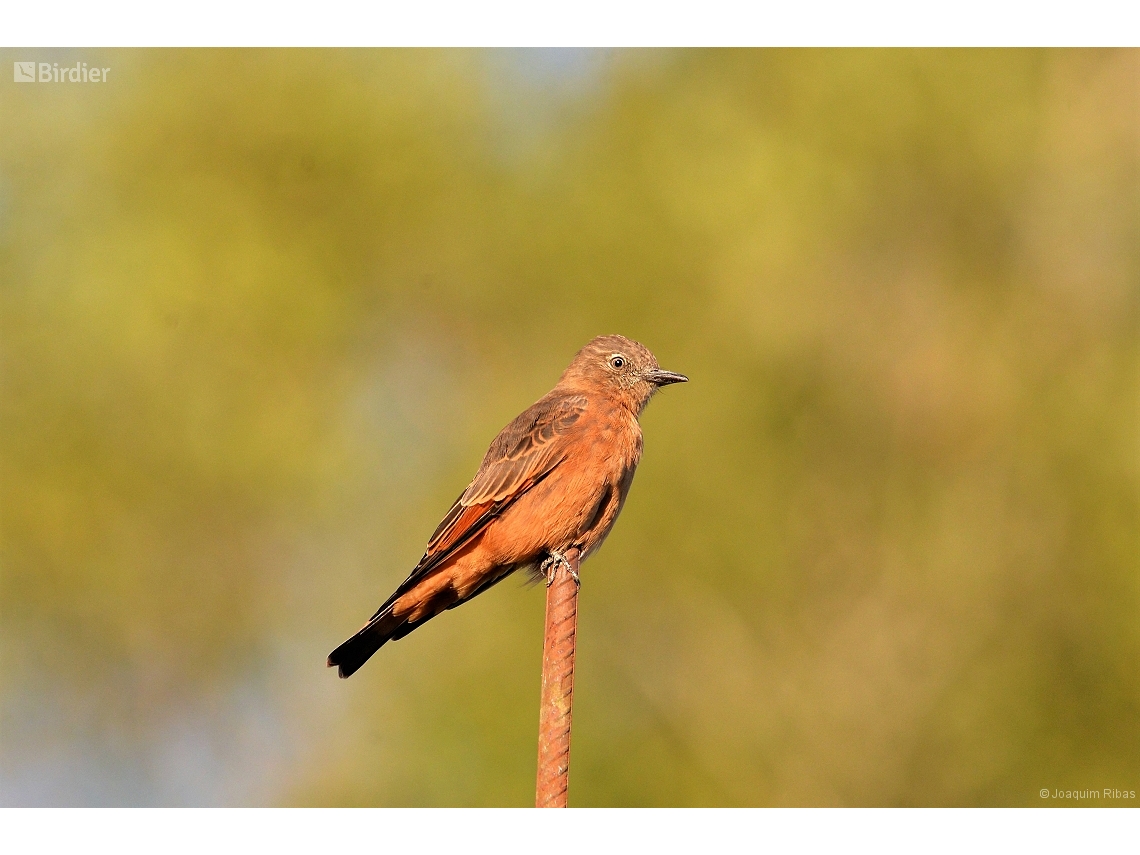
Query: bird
550 486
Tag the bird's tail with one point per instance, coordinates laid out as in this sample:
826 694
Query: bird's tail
418 606
359 649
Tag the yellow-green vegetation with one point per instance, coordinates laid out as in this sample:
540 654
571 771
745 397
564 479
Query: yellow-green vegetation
261 312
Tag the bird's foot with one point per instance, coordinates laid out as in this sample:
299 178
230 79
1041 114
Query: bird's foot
549 568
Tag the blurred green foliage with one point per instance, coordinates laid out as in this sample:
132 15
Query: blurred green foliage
261 312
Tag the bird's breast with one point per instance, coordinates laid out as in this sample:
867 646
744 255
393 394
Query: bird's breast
579 500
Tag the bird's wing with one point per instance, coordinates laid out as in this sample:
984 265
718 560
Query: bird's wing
524 453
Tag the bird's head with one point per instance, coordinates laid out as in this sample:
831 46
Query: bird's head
619 367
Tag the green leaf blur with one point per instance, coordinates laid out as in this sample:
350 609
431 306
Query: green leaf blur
261 312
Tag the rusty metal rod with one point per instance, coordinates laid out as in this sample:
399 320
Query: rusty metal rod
557 684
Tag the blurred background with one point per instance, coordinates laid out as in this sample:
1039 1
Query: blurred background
261 313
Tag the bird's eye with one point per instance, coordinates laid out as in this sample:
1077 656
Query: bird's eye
617 362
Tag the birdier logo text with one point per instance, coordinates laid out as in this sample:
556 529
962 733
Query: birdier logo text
51 72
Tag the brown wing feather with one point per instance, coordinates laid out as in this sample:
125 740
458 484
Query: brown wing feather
523 453
524 450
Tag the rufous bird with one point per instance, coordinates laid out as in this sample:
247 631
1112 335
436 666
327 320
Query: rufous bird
554 480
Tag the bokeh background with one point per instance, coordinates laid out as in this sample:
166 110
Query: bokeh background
261 312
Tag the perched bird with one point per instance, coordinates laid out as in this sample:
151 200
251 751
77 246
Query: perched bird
554 480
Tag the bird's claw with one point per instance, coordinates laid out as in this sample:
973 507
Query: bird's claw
549 568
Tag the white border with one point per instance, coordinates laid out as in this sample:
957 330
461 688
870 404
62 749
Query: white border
583 23
552 831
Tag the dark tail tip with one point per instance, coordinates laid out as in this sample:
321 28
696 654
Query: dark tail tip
343 669
359 649
355 652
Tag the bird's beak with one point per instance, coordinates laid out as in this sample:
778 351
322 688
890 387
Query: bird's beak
663 378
